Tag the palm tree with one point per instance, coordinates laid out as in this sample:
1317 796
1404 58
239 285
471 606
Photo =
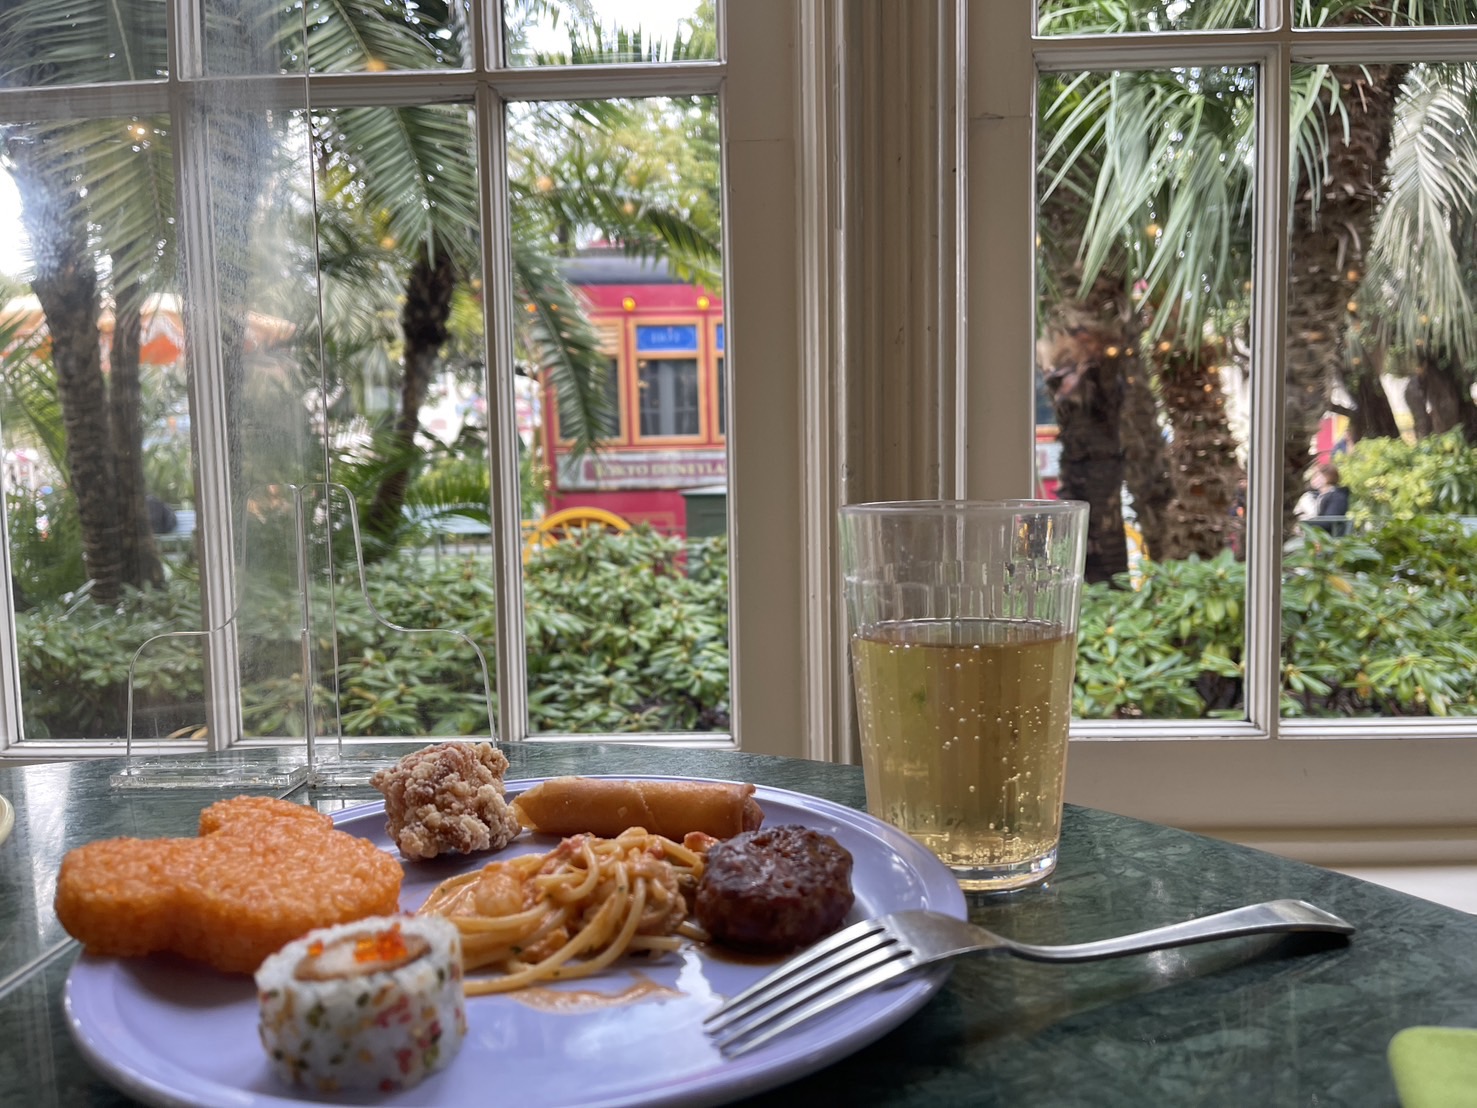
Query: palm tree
1344 117
1136 181
106 185
1413 311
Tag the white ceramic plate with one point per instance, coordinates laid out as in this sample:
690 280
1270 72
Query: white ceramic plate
171 1033
7 818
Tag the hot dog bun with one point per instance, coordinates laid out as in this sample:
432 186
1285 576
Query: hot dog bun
673 809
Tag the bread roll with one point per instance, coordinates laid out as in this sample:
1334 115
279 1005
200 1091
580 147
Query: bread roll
596 806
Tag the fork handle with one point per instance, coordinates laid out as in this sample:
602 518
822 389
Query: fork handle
1254 919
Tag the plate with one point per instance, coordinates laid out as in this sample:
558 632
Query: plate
172 1033
7 818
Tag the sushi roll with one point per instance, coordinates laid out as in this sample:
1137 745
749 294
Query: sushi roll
376 1004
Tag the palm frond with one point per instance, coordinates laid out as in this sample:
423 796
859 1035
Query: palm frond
1419 283
560 339
357 36
125 165
414 167
29 408
1076 17
92 41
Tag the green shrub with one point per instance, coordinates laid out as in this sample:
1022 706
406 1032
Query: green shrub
1394 478
629 633
625 633
1377 623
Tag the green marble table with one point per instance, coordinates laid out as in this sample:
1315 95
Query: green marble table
1247 1022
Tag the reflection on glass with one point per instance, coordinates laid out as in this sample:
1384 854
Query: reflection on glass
94 402
45 44
322 37
404 424
1385 13
625 561
604 32
1144 192
1380 496
1080 17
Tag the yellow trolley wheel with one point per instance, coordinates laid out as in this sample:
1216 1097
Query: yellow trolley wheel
563 523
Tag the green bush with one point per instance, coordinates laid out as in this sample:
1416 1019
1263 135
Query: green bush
1392 478
1377 623
629 633
625 633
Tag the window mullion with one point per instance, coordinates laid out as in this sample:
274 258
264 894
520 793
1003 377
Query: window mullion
207 374
1269 275
502 446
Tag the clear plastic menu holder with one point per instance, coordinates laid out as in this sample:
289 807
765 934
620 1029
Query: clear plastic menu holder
256 772
336 768
341 768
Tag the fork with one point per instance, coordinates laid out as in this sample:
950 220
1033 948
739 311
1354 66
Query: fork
868 954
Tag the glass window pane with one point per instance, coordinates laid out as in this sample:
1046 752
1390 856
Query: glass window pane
45 44
602 32
722 399
1381 472
1386 13
608 419
1079 17
94 404
625 559
667 396
1144 266
403 366
322 37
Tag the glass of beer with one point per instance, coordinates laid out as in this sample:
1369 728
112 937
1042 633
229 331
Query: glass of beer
963 618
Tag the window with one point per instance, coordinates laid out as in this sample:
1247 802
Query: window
667 401
308 260
1273 720
886 330
919 348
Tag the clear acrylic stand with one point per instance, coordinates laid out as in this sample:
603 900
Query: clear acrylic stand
337 769
281 774
323 770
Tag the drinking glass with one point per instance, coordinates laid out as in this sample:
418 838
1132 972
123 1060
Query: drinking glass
963 618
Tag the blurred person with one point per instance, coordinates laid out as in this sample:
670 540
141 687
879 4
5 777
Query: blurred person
1331 499
162 519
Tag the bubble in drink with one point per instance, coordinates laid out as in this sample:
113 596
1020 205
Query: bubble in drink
915 680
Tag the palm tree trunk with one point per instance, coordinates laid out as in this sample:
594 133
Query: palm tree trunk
1440 396
1330 233
428 292
1372 417
140 559
1202 454
65 282
1087 390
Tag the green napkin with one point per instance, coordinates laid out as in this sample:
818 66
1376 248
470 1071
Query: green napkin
1435 1067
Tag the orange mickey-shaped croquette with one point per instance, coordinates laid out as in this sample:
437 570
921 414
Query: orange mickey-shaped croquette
261 873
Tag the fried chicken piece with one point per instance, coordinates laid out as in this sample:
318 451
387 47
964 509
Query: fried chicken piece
447 799
260 873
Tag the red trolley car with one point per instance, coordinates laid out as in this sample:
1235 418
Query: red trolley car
662 457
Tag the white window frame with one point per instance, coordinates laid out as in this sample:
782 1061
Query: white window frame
1284 781
798 289
1326 790
755 91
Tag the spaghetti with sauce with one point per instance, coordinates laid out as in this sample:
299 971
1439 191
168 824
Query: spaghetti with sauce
573 911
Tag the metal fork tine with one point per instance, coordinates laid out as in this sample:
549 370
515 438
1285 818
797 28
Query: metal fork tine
756 1014
780 979
754 1037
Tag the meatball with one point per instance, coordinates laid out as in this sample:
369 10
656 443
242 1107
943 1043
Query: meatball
774 889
